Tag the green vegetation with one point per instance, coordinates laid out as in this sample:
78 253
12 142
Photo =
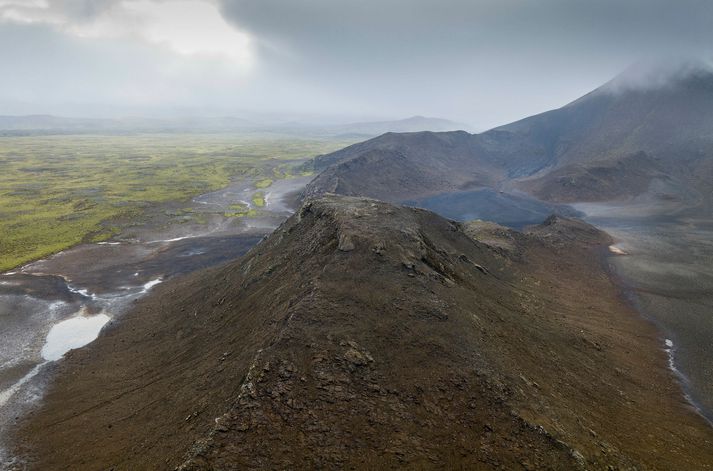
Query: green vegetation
259 199
264 183
240 210
57 191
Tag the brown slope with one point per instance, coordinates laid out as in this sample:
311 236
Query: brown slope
363 335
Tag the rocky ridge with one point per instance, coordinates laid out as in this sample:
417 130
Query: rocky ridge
366 335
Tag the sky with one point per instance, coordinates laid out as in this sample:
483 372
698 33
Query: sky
480 62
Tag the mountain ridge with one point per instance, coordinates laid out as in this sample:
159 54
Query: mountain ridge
361 334
52 124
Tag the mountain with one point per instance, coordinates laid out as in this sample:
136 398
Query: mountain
396 167
412 124
619 141
363 130
365 335
43 124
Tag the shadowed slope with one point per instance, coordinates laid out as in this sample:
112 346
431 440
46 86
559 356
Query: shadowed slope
365 335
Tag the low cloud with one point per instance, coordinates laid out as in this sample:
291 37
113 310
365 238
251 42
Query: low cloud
656 73
484 62
192 27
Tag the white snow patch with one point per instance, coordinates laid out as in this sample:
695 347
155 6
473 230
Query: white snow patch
150 284
670 353
175 239
616 250
82 292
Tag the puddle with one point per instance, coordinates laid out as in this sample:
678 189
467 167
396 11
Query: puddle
72 333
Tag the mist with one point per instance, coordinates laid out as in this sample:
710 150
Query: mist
482 62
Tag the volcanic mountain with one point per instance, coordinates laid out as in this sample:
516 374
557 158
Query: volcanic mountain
365 335
646 130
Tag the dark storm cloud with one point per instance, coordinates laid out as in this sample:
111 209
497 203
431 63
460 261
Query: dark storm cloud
410 29
498 58
484 62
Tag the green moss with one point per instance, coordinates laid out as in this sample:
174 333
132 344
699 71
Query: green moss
239 210
264 183
58 191
241 214
239 207
259 199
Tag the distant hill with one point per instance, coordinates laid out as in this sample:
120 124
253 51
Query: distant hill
367 129
361 335
41 124
413 124
616 142
48 124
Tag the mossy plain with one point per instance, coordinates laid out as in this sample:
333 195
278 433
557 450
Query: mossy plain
58 191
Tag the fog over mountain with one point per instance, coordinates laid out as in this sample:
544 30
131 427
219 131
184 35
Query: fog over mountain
482 62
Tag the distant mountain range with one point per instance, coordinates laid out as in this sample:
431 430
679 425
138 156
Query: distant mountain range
413 124
41 124
621 140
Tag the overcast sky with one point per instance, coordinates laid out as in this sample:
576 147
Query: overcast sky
483 62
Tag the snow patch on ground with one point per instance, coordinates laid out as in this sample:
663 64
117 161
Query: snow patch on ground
616 250
150 284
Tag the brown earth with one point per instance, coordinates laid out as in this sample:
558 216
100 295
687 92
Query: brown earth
362 335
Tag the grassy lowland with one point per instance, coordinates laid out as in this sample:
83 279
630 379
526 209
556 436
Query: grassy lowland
58 191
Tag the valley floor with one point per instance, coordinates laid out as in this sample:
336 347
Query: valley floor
668 273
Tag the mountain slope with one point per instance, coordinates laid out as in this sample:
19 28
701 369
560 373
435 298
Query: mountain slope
396 167
670 122
625 176
361 334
